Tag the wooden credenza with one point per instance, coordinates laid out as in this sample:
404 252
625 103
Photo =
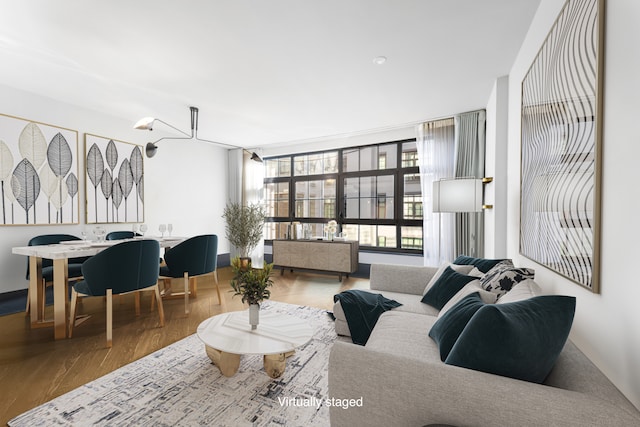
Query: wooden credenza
337 256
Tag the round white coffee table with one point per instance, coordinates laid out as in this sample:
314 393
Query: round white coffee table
229 335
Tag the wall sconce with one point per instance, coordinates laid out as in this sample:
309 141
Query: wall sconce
459 195
151 148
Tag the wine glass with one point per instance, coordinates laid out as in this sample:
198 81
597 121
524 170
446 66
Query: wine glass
162 228
99 233
84 235
143 229
169 229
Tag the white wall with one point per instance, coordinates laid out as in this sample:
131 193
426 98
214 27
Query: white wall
186 187
495 193
607 325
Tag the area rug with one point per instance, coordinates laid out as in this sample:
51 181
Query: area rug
179 386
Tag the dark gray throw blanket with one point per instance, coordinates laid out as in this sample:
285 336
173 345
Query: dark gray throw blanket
362 310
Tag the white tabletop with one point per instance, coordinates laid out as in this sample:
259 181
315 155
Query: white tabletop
276 333
81 248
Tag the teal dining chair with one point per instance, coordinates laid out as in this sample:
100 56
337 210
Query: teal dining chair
189 259
126 267
121 235
74 268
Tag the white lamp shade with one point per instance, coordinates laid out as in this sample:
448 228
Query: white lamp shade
145 123
457 195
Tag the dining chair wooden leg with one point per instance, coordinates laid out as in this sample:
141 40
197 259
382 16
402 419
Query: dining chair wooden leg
186 293
194 287
109 318
72 311
153 300
160 306
215 276
166 286
137 302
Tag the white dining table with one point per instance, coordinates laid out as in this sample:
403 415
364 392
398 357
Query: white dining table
60 254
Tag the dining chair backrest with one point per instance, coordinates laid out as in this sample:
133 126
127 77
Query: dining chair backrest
50 239
120 235
125 267
195 256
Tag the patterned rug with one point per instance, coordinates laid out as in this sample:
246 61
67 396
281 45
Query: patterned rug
179 386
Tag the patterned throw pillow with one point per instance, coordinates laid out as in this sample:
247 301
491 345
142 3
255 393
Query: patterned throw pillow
501 278
482 264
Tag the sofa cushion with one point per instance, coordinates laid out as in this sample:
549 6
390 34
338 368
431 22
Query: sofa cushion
469 288
521 291
501 278
462 269
483 264
520 339
447 329
405 335
447 285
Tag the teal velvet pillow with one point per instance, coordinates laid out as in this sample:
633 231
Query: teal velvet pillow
481 264
520 340
447 285
447 329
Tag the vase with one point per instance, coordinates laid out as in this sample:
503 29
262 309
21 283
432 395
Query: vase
254 315
245 263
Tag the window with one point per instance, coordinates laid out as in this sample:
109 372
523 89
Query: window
372 191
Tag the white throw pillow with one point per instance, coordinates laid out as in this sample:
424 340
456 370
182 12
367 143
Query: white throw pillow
521 291
476 273
462 269
471 287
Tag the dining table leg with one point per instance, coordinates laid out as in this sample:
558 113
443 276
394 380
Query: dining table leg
60 303
36 291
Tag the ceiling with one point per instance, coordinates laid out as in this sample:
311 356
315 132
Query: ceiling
264 72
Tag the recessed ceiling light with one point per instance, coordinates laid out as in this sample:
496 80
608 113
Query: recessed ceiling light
379 60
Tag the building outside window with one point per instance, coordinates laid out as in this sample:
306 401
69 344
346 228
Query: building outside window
375 198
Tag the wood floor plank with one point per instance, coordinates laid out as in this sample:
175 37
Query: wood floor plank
34 368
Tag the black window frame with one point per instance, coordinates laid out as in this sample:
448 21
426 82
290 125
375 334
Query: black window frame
398 172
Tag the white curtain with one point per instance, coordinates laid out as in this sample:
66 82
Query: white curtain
435 142
253 193
470 155
235 184
246 184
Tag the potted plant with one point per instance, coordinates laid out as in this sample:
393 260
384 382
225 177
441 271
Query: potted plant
244 227
252 285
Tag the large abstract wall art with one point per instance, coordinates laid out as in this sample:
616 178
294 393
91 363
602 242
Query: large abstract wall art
561 146
38 173
114 180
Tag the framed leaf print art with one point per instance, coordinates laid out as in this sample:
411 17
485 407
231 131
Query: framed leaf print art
38 173
114 180
561 146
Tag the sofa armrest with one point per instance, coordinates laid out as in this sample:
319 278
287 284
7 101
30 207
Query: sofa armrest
407 279
402 391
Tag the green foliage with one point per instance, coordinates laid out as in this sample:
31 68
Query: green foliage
244 226
251 283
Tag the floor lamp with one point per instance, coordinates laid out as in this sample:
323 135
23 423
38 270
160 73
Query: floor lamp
459 195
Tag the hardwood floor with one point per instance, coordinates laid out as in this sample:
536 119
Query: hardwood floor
34 368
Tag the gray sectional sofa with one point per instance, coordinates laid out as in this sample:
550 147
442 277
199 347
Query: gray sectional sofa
398 378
